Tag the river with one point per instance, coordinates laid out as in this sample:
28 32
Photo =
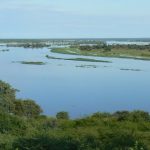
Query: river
62 85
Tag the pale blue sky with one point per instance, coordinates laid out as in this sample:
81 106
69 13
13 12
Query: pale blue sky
74 18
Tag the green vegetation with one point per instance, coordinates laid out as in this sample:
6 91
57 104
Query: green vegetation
32 62
78 59
30 44
40 43
121 51
23 127
86 47
4 50
10 105
130 69
62 115
87 66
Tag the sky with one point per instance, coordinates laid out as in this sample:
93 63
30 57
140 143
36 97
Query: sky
74 18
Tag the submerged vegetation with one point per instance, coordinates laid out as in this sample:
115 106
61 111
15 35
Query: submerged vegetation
125 69
23 126
4 50
87 66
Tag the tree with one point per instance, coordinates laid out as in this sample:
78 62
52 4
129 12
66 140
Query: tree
7 97
107 48
11 124
27 108
122 115
139 116
62 115
19 109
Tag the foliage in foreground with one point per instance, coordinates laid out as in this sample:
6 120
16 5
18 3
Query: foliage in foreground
22 127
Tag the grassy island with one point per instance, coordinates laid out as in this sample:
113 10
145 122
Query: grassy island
78 59
32 62
141 52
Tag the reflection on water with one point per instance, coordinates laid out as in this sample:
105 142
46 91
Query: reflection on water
60 85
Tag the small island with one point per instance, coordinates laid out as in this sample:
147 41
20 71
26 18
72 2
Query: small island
78 59
32 62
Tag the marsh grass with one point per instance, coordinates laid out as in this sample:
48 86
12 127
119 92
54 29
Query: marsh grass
78 59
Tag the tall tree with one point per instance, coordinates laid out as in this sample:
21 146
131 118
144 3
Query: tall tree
27 108
7 97
62 115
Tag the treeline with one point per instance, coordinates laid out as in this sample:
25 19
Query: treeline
81 44
24 127
28 45
103 46
131 46
106 47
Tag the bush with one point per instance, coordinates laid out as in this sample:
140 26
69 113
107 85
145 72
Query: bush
62 115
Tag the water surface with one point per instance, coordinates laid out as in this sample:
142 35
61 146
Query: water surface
62 86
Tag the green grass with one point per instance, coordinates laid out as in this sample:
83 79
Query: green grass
78 59
115 52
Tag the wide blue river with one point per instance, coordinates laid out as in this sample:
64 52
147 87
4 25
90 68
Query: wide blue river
62 86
